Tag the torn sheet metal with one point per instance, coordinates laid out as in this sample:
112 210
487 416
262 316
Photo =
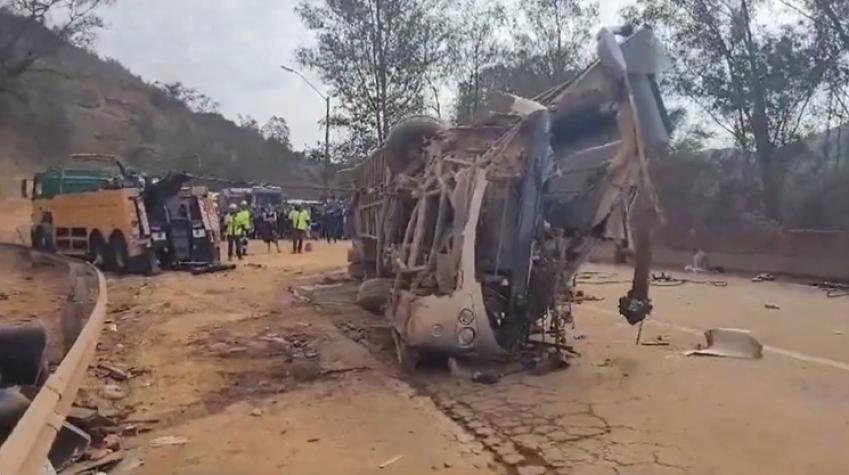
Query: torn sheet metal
729 343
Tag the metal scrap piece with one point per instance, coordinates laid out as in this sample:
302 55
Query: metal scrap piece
730 343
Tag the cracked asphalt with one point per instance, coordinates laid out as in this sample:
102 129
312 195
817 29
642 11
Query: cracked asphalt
627 409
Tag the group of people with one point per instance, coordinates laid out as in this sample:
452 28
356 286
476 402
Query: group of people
271 224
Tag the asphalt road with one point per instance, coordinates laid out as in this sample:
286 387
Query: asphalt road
629 409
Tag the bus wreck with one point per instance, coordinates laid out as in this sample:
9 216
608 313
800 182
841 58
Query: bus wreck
478 230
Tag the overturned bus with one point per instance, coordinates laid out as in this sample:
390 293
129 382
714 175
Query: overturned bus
477 231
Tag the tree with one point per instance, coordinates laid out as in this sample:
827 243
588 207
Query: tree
553 36
477 47
755 81
193 99
71 21
376 55
277 130
248 122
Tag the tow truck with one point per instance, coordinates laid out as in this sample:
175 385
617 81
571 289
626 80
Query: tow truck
122 220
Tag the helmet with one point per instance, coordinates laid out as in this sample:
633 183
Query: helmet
243 203
232 207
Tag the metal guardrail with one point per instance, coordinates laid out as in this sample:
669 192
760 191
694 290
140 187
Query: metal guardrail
25 450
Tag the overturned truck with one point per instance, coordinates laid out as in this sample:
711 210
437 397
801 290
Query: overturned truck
477 231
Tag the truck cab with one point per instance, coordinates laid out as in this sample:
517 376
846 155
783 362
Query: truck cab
97 215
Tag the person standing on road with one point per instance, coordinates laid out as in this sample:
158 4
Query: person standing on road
300 222
269 228
245 224
233 232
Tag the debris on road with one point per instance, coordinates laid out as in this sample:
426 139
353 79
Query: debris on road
731 343
659 341
763 277
390 461
168 441
112 392
94 466
833 289
257 412
770 306
114 372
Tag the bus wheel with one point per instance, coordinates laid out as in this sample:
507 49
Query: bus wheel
97 251
119 255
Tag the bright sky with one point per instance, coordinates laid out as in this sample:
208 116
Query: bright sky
230 50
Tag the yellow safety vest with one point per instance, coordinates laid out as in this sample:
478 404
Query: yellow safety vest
299 219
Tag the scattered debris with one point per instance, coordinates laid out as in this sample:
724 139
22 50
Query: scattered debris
833 289
839 332
257 412
94 465
254 265
114 372
97 453
486 377
131 462
168 440
112 392
112 327
771 306
731 343
4 296
657 342
763 277
390 461
112 442
313 440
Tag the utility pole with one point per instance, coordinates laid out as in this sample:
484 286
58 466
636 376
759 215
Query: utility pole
327 142
326 124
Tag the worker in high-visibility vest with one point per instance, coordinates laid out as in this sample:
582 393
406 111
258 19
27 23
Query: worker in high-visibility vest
300 223
234 232
244 221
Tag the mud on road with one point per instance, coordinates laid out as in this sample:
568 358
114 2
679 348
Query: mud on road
250 377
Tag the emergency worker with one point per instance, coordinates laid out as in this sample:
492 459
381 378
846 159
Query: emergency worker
300 223
234 233
245 222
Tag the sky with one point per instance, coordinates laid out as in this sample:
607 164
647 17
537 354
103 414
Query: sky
230 50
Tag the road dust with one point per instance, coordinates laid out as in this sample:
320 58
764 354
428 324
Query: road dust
259 381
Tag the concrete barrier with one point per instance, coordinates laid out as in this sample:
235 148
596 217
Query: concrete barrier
835 267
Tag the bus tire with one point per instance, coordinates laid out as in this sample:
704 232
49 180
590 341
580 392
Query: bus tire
373 295
119 255
98 252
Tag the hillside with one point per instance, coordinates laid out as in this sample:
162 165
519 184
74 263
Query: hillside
73 101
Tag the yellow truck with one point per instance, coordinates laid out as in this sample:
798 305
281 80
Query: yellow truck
97 215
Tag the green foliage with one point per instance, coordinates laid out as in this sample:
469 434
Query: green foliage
377 57
547 43
755 80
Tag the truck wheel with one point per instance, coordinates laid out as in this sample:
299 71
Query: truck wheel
150 264
97 251
42 238
373 295
119 256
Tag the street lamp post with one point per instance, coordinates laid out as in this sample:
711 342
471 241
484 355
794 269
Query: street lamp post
326 121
